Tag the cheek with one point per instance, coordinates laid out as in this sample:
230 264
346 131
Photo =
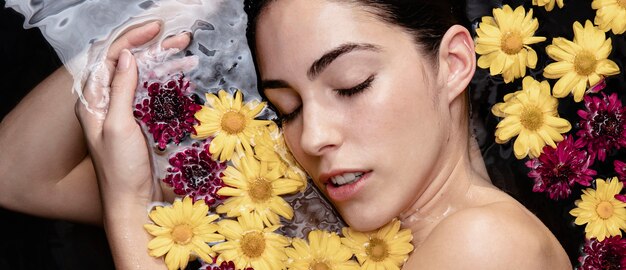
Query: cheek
292 134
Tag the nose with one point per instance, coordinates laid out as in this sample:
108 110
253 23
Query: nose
320 129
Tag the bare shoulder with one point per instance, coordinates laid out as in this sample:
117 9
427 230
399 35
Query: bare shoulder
501 235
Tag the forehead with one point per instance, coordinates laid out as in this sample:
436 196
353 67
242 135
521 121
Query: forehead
291 34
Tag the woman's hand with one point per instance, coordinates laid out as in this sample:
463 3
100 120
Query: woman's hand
119 150
115 140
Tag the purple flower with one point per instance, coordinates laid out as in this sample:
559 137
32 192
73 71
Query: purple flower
620 169
555 171
608 254
223 266
195 174
167 112
602 126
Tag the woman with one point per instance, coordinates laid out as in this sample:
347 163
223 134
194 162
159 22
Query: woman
373 110
371 96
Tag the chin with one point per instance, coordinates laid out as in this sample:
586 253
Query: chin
363 222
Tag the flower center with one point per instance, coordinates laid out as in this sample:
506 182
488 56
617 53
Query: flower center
167 105
253 244
233 122
320 266
182 234
511 43
531 118
622 3
604 210
585 63
607 124
377 250
260 190
196 174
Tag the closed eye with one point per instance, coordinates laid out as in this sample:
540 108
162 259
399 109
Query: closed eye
288 117
358 88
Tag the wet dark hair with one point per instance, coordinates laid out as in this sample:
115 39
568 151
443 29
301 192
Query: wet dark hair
426 20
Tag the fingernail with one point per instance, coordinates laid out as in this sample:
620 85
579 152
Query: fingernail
153 24
123 63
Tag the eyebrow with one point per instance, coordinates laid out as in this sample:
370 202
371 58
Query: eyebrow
320 64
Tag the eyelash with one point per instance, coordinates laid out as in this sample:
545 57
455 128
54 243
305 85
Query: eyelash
358 88
286 118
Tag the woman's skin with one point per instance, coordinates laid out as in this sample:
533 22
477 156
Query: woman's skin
407 131
363 98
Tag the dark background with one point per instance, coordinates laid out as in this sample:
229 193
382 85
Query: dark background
35 243
29 242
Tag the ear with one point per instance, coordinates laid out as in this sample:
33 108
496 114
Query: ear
457 60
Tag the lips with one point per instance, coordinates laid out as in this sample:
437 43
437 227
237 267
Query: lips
342 186
346 178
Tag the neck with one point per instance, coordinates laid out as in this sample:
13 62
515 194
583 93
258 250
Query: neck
448 192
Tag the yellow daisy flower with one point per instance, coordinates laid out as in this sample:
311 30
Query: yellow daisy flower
386 248
580 63
270 147
610 15
503 42
249 244
548 4
324 251
603 214
254 188
182 230
230 122
531 115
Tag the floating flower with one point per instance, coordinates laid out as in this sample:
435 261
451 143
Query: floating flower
503 42
194 173
610 15
548 4
620 169
581 63
531 115
168 112
270 147
603 214
602 125
324 251
607 254
556 170
256 189
231 122
249 244
181 230
225 265
386 248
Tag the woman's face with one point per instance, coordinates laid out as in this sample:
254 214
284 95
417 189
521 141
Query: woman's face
363 115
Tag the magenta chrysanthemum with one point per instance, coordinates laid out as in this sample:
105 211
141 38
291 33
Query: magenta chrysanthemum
223 266
195 174
168 112
555 171
229 266
608 254
620 169
602 127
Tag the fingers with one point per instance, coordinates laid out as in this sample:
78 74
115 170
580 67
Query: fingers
92 112
123 90
180 41
131 39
